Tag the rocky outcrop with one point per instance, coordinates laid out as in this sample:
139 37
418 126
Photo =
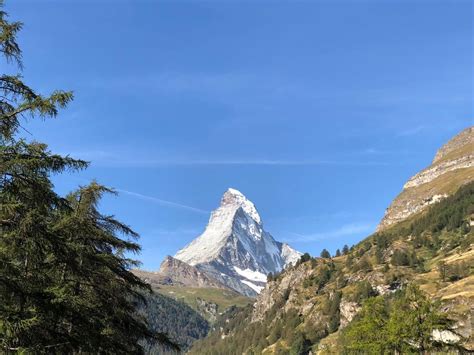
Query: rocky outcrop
209 309
175 272
436 171
452 167
282 289
348 311
184 274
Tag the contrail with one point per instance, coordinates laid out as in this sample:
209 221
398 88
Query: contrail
162 202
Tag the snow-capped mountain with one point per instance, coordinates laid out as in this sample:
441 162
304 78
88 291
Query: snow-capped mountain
235 249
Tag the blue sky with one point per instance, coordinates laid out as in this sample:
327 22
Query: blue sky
317 111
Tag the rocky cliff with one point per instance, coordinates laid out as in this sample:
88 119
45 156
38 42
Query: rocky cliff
452 167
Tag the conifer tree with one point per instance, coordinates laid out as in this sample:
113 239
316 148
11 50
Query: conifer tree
325 254
65 284
345 249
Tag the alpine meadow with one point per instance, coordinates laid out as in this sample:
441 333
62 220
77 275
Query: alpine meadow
236 178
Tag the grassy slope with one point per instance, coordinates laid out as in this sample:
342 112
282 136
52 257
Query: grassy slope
189 295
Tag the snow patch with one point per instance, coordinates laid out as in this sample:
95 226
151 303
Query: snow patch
251 275
254 287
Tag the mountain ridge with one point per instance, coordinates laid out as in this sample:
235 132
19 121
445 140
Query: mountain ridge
452 166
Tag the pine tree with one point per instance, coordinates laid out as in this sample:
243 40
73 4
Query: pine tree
65 284
325 254
305 257
345 249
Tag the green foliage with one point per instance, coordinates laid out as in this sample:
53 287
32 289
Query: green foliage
404 258
363 290
305 257
448 214
345 249
333 312
299 346
363 265
325 254
321 277
167 316
404 325
349 261
367 335
65 284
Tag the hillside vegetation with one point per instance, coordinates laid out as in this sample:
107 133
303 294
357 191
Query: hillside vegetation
209 302
178 321
422 266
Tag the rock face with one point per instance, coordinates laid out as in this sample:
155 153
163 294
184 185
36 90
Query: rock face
235 250
452 167
174 272
283 288
348 311
184 274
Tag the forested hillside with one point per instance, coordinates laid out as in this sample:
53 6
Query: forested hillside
178 321
407 288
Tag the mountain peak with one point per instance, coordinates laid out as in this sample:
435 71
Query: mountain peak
234 246
233 197
235 192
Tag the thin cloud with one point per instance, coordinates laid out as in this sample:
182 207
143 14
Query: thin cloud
162 202
411 132
117 159
343 231
99 158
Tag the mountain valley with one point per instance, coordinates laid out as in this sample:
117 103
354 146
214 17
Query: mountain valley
420 248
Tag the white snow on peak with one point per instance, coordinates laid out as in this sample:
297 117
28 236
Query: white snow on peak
252 286
237 198
207 246
251 275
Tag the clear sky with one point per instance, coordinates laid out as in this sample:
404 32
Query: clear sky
318 111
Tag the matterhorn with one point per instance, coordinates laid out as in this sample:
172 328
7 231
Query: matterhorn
235 250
